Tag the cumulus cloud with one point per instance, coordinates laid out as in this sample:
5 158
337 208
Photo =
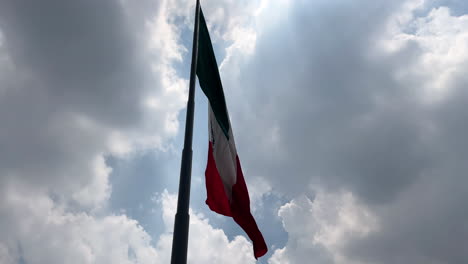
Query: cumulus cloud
47 233
319 229
355 113
365 97
206 244
37 230
81 82
78 90
76 79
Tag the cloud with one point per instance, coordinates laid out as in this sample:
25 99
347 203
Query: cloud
82 84
78 89
355 113
366 127
37 230
319 229
320 107
363 97
206 244
47 233
76 79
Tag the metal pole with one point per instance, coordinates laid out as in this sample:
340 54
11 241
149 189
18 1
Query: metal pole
181 223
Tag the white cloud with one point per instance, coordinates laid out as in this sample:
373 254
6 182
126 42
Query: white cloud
98 80
37 230
206 244
366 97
64 109
319 229
73 92
98 190
441 39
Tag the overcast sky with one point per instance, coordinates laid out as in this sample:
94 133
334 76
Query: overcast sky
350 120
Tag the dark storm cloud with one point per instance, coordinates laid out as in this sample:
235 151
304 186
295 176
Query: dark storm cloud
74 80
86 56
316 105
428 222
80 70
326 92
326 108
80 51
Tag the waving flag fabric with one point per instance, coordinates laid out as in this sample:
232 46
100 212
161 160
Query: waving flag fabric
226 189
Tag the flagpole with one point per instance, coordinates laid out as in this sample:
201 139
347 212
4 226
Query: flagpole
181 223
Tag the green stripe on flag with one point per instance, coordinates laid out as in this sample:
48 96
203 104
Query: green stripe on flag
208 76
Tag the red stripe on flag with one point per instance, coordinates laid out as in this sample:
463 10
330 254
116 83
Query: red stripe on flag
239 208
217 199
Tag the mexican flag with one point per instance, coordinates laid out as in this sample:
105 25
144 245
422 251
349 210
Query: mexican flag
226 189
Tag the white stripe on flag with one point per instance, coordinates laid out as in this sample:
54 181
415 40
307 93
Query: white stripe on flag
224 153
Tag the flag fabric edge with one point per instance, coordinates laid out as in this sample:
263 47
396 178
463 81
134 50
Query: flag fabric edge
227 192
